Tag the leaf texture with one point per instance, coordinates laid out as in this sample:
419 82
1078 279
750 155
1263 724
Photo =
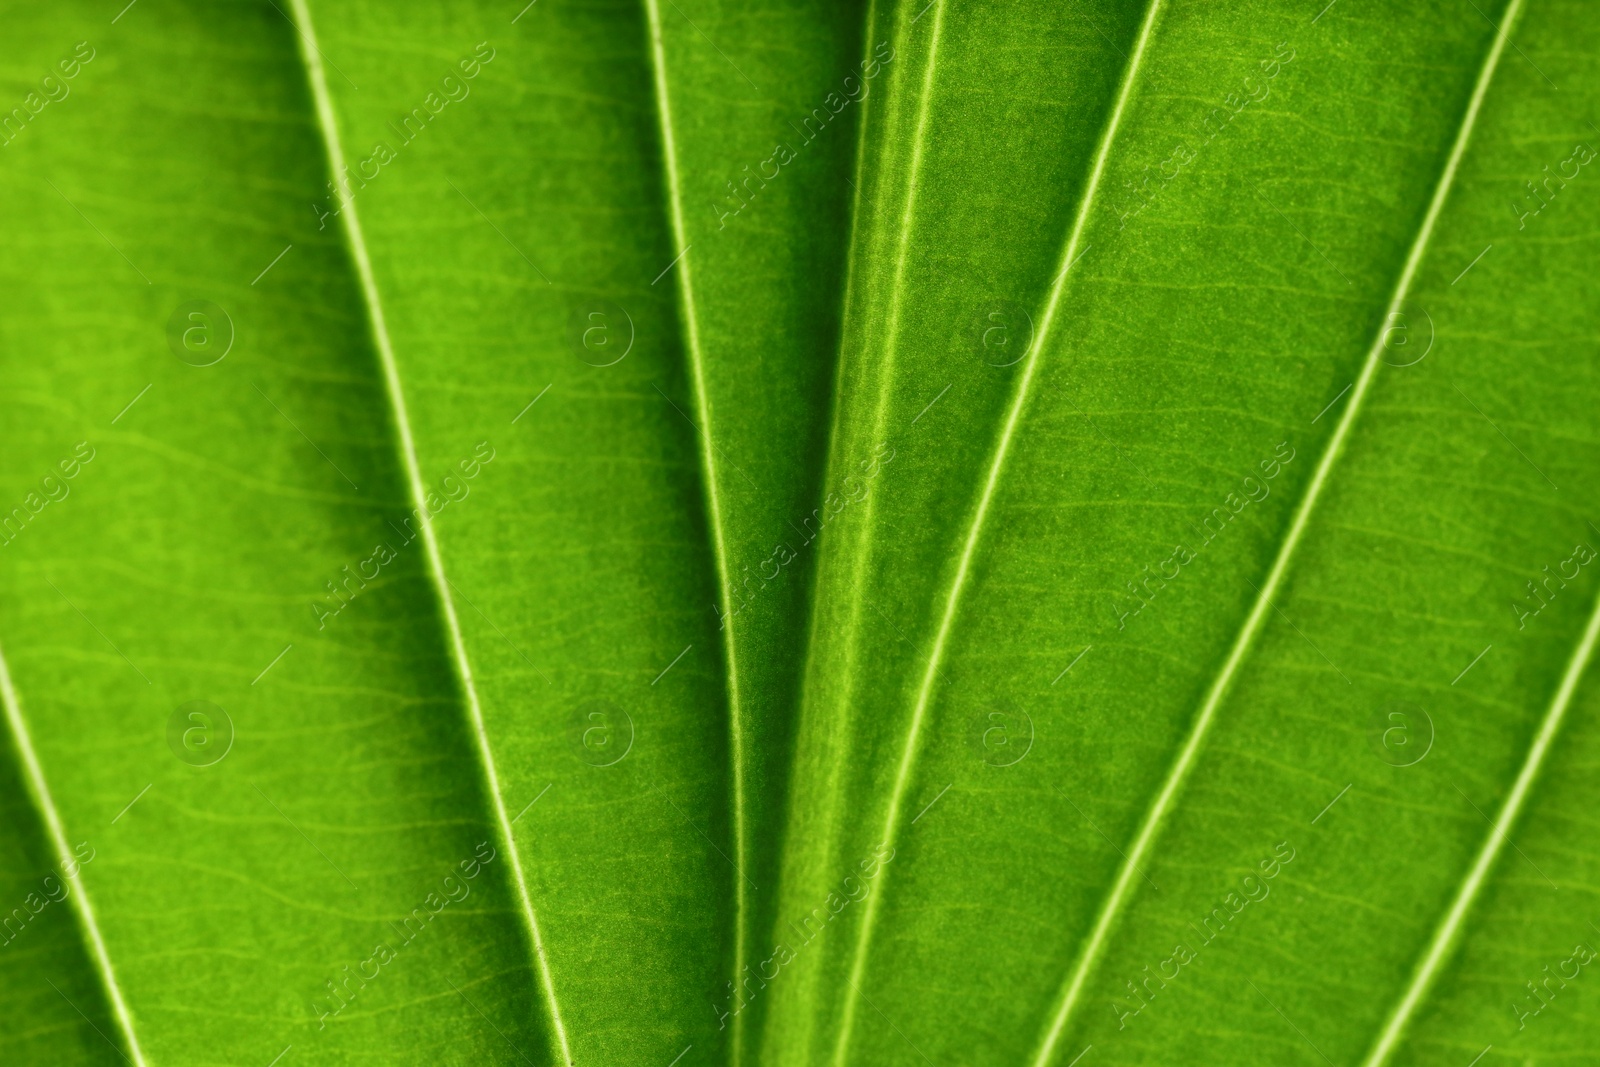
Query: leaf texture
555 601
798 533
1140 752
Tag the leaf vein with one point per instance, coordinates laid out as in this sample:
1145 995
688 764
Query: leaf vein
82 908
328 126
708 474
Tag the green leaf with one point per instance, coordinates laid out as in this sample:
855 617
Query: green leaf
183 565
954 256
536 664
798 533
1041 748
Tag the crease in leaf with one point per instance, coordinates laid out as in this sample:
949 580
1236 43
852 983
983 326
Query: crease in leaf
82 908
328 128
1151 826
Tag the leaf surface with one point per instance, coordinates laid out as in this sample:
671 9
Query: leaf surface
798 533
1146 750
737 371
246 864
479 533
955 249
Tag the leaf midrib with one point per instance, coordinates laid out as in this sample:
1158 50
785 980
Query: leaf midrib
822 840
836 400
865 541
